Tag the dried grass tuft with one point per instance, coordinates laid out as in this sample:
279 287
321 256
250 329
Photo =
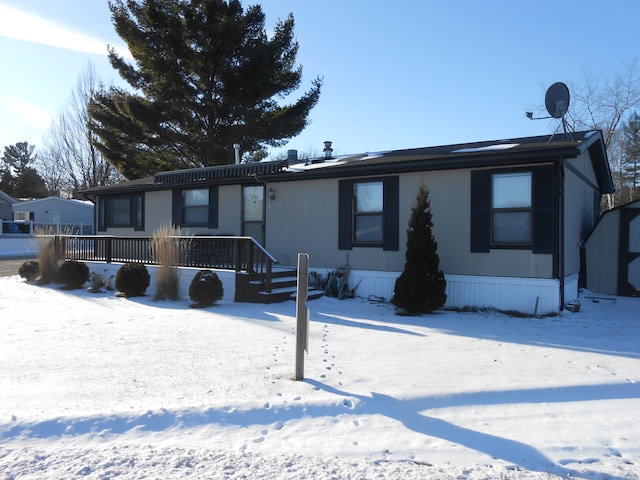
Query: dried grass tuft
51 254
166 245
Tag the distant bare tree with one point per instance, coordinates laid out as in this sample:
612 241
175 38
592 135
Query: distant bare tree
69 160
302 155
605 103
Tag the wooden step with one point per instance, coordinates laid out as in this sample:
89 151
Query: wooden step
284 286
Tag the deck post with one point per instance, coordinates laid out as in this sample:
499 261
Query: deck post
302 314
108 249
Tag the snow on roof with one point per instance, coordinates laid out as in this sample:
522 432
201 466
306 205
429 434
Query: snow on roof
52 199
313 164
501 146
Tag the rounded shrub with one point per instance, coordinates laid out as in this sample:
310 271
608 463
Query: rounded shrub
132 279
73 274
29 270
206 288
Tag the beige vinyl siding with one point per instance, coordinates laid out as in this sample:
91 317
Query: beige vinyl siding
303 219
578 208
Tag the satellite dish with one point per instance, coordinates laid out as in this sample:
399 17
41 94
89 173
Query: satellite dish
557 100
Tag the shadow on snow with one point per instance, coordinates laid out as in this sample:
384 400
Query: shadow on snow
409 412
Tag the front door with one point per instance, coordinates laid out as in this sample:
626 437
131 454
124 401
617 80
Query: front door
253 212
629 270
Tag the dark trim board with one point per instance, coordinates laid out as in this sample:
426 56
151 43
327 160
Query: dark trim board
625 256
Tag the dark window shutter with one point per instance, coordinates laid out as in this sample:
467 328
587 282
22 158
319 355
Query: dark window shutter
176 208
345 214
213 207
480 210
543 205
102 214
137 204
391 217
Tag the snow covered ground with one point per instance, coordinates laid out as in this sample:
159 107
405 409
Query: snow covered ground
96 386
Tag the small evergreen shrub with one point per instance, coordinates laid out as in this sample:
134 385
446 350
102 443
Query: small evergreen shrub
133 279
421 287
29 270
73 274
206 288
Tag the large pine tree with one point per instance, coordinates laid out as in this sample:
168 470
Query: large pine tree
420 288
17 176
631 159
205 75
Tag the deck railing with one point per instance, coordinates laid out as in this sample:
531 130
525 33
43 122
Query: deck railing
241 254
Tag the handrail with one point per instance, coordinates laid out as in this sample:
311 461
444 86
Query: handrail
262 249
241 254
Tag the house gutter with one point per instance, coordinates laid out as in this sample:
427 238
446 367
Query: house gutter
561 230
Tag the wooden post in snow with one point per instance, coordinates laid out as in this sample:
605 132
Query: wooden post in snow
302 314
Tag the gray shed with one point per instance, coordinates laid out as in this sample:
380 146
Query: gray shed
612 252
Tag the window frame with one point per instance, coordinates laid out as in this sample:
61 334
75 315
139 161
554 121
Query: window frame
519 209
545 199
134 211
177 208
360 214
390 214
190 208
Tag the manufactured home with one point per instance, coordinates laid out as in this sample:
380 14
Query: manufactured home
6 212
509 215
59 214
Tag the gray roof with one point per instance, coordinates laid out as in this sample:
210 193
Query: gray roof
491 153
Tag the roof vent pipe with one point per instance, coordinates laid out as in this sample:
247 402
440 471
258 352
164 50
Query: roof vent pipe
236 147
327 150
292 157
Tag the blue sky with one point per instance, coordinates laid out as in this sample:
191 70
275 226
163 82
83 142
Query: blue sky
404 74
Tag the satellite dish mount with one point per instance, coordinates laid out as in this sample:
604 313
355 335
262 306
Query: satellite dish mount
556 101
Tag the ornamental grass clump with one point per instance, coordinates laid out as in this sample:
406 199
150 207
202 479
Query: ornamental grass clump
132 279
165 250
51 255
98 284
206 288
73 274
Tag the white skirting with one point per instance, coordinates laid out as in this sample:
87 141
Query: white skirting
525 295
227 277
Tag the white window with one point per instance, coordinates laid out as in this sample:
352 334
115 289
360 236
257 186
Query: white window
511 209
367 212
195 207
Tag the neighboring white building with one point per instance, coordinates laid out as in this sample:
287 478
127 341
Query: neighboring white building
6 212
56 211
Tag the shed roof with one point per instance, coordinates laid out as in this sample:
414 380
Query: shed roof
7 198
68 201
491 153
